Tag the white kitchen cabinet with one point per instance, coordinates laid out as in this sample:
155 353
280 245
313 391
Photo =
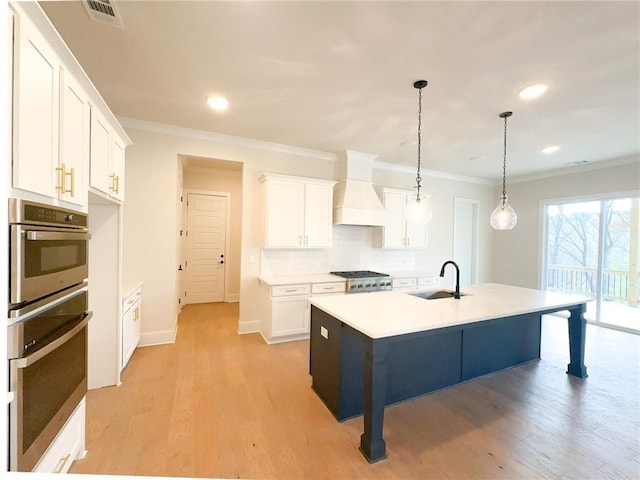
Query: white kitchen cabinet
36 102
107 158
398 232
73 166
131 323
414 281
290 316
287 312
409 283
69 444
52 122
298 211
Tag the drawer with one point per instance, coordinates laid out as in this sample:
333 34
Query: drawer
428 281
131 298
67 446
334 287
404 282
286 290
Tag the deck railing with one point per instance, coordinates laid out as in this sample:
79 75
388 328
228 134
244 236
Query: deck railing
616 284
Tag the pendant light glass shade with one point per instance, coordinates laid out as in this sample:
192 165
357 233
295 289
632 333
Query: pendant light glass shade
419 210
504 216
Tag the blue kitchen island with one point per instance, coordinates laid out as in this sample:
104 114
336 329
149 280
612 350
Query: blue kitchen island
370 350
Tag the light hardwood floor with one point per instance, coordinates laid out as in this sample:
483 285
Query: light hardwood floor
220 405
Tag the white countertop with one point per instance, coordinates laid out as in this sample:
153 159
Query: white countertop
411 274
303 278
273 280
385 314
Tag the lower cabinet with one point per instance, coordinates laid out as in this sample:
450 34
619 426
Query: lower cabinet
67 446
131 323
287 309
289 315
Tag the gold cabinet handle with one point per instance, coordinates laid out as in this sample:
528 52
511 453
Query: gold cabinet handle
63 176
115 183
72 175
62 462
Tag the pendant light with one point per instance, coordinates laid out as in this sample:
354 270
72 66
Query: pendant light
419 209
504 217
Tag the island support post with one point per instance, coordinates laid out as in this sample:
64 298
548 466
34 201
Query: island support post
372 445
577 332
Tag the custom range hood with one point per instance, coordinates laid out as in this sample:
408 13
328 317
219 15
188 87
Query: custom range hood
355 202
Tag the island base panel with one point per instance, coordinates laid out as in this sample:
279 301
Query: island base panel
494 345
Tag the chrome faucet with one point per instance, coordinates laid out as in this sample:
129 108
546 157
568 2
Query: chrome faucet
457 294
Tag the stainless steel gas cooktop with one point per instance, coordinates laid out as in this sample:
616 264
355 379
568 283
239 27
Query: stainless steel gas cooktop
365 281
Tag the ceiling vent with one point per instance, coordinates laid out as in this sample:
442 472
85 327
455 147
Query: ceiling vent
104 11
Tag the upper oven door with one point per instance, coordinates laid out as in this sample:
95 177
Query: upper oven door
45 260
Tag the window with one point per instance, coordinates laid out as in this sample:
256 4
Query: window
591 248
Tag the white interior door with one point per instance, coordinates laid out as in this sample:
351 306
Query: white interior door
465 239
206 237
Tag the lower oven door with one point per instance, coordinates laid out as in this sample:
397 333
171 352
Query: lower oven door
48 384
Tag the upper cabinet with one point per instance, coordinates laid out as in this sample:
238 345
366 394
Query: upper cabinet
398 232
74 141
107 159
298 211
36 102
53 106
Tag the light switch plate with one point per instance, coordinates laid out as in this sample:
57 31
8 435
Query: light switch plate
324 332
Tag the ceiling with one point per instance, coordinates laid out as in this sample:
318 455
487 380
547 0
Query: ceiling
332 76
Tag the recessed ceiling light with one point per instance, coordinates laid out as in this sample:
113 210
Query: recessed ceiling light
550 149
533 91
218 104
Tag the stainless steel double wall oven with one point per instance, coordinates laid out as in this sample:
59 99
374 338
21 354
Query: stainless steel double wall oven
47 330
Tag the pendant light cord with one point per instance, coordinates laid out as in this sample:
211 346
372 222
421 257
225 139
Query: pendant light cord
418 177
504 163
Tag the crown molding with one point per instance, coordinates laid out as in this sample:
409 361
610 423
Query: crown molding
433 173
165 129
572 170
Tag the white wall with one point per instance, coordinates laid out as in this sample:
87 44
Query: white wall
516 252
151 215
151 220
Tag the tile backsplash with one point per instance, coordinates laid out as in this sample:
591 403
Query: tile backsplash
352 250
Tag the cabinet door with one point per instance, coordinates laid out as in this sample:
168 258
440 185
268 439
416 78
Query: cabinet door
117 168
130 333
284 213
36 101
100 161
394 229
318 215
290 315
74 142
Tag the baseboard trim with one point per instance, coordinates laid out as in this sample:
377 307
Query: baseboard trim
158 338
232 298
248 327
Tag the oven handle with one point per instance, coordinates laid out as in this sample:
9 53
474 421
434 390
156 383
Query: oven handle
40 235
33 358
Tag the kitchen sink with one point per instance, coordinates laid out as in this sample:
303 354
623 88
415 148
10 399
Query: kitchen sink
437 294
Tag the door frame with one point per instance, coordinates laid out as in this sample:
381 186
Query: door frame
227 243
475 203
542 242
